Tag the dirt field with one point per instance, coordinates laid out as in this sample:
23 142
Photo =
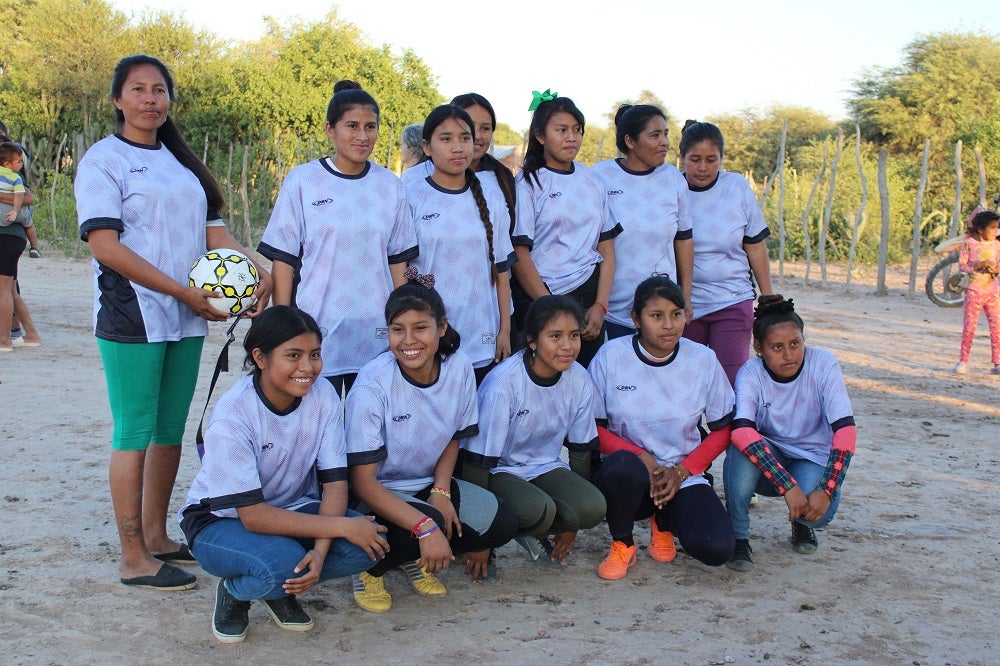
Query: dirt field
907 573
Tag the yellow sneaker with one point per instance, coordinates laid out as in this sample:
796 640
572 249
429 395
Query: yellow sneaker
618 562
661 544
370 593
423 581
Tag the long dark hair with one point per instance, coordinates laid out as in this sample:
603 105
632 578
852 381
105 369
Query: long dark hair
168 133
415 296
534 156
488 162
696 132
272 328
437 116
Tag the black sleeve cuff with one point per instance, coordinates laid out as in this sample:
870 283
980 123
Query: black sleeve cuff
467 432
723 422
582 446
274 254
405 255
744 423
367 457
479 460
522 240
100 223
332 475
842 423
610 233
747 240
684 234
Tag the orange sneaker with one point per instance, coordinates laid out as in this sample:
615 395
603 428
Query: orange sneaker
618 562
661 544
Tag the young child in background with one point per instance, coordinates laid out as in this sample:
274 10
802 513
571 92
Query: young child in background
12 183
979 256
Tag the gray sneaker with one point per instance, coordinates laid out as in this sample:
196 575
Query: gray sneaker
540 551
230 619
741 560
288 614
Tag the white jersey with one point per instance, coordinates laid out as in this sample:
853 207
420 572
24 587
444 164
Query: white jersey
798 415
488 179
652 207
159 209
658 406
340 233
724 217
255 453
453 248
561 222
524 420
405 426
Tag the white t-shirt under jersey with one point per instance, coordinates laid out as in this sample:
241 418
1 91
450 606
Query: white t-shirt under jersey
340 233
798 415
658 406
404 426
159 209
561 221
724 216
524 421
453 247
652 207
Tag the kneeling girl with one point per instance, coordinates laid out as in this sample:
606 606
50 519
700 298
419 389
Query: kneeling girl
406 414
653 391
530 407
266 513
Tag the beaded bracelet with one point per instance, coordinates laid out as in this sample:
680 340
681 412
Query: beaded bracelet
429 532
417 528
441 491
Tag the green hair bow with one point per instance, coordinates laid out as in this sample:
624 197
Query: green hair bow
538 97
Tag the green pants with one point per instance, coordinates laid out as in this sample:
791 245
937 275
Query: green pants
557 501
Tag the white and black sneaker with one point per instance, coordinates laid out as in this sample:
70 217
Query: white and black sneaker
804 539
288 614
230 619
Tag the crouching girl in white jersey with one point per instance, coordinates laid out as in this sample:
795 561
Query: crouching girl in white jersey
653 391
530 407
406 414
266 513
793 434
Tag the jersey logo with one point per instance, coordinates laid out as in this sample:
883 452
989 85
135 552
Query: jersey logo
767 405
139 170
322 202
382 332
401 417
267 447
555 195
625 387
431 216
523 412
612 193
489 339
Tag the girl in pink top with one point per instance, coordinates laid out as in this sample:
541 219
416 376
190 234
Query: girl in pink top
980 257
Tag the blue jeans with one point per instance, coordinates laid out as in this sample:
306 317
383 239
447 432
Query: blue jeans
617 330
255 566
742 479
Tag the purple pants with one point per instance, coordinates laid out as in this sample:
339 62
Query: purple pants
726 332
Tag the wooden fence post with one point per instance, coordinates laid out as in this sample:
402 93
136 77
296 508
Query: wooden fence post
829 204
956 212
859 217
883 245
55 179
805 215
982 176
917 218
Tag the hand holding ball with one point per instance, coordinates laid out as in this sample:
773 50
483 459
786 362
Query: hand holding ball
229 273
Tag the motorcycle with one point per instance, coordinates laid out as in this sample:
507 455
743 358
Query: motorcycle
945 284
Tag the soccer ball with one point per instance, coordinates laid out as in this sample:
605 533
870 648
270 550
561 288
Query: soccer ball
229 273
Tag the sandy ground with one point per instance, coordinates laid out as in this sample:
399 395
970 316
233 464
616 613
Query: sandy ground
907 573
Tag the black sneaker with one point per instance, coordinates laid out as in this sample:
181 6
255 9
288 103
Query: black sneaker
230 620
34 253
804 539
288 614
741 560
540 551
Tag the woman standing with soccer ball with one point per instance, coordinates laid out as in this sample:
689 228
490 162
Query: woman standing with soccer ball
148 207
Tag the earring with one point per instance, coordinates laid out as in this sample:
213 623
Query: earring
532 352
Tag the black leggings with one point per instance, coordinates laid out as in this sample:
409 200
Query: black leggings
404 548
695 515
